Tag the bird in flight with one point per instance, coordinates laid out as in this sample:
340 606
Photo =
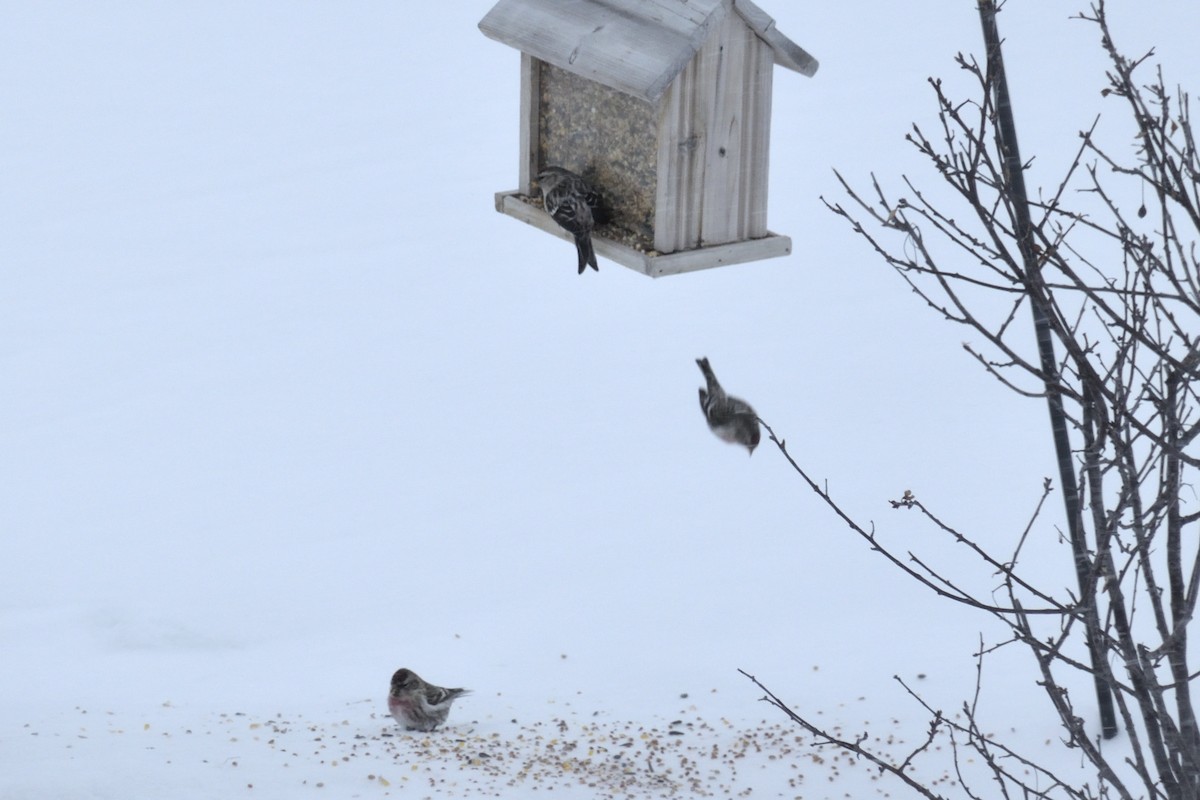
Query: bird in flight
730 418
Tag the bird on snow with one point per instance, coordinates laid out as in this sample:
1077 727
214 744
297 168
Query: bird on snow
576 206
730 418
418 705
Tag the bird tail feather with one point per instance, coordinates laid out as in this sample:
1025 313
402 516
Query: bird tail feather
587 253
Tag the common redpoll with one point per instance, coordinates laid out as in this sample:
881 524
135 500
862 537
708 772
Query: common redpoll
418 705
574 205
578 184
730 418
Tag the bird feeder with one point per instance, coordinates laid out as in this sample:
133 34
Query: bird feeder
665 107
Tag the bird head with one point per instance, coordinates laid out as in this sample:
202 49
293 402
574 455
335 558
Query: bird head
549 178
754 436
404 679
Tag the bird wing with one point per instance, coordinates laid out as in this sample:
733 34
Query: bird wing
570 212
438 695
737 405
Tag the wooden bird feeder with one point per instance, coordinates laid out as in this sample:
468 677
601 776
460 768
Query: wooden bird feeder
665 106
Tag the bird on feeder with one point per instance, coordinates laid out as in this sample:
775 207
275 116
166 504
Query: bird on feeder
576 206
730 418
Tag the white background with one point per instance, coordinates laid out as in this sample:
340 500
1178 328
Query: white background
285 405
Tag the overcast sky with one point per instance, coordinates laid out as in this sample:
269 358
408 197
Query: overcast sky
262 330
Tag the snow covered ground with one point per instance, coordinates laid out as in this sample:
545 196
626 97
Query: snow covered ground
286 406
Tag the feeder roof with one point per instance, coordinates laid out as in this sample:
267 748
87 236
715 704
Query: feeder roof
635 46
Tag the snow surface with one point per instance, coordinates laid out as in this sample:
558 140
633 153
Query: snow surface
286 406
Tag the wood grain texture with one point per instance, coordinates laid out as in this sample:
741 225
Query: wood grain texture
722 84
655 265
635 46
714 147
722 255
531 93
756 150
681 148
686 165
786 53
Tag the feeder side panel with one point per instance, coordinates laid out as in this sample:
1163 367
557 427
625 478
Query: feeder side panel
756 155
530 113
682 133
731 68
